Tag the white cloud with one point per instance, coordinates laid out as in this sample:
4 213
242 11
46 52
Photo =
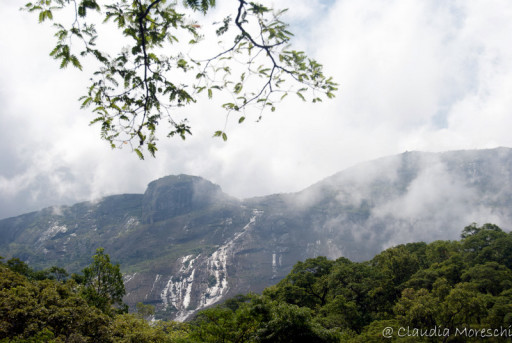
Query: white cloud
414 75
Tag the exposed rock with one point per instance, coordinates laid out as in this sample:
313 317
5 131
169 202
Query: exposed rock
172 195
185 245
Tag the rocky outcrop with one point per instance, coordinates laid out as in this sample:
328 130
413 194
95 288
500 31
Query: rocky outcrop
185 245
172 196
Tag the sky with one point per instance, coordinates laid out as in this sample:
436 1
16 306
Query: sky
425 75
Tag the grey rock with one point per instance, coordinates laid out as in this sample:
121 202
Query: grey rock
185 245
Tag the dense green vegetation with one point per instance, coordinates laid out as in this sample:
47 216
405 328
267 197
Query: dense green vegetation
453 291
49 306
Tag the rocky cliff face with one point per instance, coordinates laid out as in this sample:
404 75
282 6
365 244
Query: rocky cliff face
177 195
184 245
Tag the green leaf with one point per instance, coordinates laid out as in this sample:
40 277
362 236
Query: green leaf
238 88
75 62
95 120
64 63
241 120
182 64
152 149
221 134
45 14
82 11
86 102
141 156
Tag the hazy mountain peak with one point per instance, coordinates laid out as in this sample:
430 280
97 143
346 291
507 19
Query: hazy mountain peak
184 244
178 194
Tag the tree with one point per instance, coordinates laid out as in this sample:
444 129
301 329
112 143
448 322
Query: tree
103 282
130 328
490 277
396 265
217 324
145 311
473 229
450 269
439 251
306 285
58 273
282 322
341 313
20 267
462 306
47 311
486 243
356 293
417 308
136 88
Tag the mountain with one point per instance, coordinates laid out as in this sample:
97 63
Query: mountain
184 245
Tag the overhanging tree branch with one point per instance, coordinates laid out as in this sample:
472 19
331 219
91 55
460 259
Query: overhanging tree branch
133 87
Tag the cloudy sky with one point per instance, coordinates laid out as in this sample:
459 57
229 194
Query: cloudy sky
429 75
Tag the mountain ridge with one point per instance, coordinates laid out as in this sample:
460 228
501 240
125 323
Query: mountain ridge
184 244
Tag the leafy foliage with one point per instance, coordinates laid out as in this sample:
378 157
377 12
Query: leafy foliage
140 85
49 310
46 309
259 320
444 285
449 285
103 283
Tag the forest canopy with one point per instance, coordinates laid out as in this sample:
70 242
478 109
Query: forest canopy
451 291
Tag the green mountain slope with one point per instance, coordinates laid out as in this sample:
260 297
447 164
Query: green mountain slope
184 244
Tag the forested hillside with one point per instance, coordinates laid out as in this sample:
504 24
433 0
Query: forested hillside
185 245
452 291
